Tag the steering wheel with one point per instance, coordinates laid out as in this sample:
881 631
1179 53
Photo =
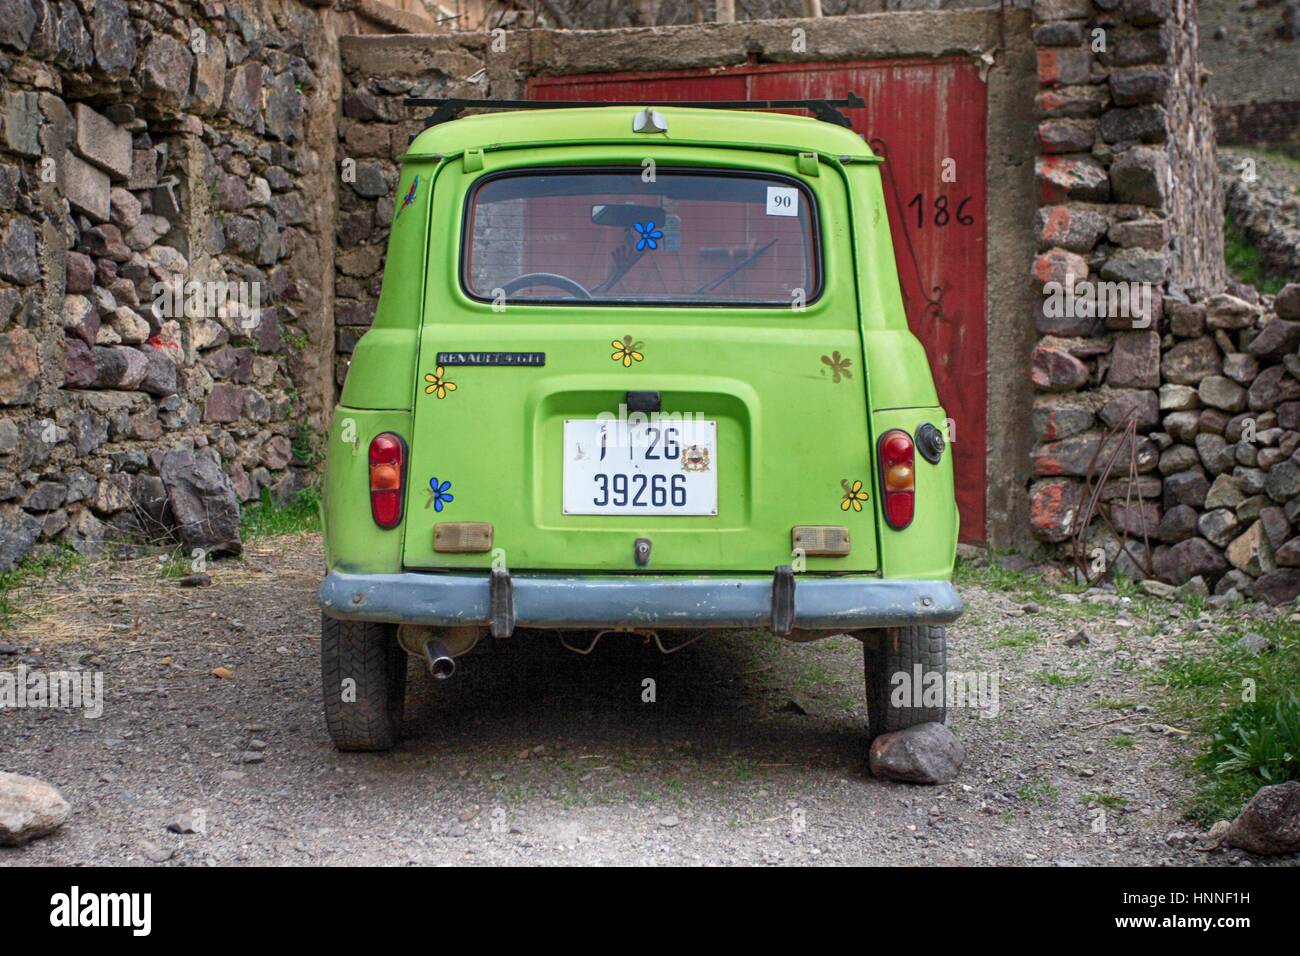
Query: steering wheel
553 279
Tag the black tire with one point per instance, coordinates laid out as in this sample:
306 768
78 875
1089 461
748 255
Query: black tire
895 650
369 655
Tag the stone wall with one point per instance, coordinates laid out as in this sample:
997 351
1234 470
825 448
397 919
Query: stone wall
148 145
372 135
1207 377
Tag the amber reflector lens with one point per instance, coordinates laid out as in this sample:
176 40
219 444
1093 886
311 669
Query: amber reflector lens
898 478
385 478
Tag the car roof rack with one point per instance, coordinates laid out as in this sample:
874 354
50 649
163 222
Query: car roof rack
448 108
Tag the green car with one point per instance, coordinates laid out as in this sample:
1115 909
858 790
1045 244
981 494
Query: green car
637 370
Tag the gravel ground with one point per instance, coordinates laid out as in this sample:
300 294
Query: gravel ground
754 751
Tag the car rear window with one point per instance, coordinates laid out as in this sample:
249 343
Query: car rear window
641 236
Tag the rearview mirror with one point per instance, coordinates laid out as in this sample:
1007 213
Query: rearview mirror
625 214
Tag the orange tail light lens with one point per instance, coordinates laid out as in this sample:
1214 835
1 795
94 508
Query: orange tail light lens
387 471
897 477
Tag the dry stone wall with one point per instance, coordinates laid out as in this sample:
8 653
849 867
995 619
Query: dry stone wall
165 222
1209 375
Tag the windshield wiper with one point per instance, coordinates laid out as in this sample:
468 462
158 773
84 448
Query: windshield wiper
735 270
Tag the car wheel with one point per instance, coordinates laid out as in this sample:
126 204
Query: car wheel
363 683
896 650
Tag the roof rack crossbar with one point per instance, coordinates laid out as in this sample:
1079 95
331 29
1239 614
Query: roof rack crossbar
448 108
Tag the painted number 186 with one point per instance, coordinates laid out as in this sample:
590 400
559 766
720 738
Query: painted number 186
943 215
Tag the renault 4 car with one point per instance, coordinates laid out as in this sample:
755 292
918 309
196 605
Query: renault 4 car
635 370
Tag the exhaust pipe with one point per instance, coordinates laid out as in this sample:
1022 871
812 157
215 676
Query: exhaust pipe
440 663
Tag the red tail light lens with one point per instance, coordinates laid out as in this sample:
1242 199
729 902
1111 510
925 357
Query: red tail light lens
897 477
387 472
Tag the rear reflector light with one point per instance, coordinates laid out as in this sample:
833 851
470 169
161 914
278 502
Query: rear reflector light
820 541
897 477
462 537
387 473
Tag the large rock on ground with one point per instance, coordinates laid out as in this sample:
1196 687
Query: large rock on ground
1270 823
926 753
203 502
29 808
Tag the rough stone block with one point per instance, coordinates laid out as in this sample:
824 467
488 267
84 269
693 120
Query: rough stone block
88 189
1139 175
20 372
22 124
1071 177
1135 360
1062 67
1138 86
144 169
101 141
18 252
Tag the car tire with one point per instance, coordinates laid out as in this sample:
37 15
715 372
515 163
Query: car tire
367 714
901 649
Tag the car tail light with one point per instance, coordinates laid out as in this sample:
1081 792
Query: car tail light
897 477
387 474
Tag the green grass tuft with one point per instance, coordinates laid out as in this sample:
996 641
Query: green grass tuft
28 572
1243 261
266 519
1258 739
1243 712
1057 679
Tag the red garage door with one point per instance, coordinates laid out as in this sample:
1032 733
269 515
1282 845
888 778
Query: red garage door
927 119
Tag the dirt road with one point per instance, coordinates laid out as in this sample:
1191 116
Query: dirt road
753 751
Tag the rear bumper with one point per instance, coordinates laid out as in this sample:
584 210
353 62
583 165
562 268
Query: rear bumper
592 601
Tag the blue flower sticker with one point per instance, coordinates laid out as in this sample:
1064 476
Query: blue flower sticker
648 234
438 494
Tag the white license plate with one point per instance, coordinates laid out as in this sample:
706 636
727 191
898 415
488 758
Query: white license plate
661 468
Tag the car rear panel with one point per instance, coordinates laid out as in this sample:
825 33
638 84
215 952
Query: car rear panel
785 387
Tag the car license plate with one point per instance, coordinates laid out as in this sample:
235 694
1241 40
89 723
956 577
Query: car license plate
666 467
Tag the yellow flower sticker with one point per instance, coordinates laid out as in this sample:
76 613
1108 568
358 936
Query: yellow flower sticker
854 495
627 351
438 384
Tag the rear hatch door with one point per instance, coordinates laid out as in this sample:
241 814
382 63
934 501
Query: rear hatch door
677 369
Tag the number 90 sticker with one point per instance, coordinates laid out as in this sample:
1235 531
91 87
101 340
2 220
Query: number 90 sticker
666 467
782 201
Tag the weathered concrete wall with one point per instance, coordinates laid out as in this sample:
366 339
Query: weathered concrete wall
147 145
378 71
